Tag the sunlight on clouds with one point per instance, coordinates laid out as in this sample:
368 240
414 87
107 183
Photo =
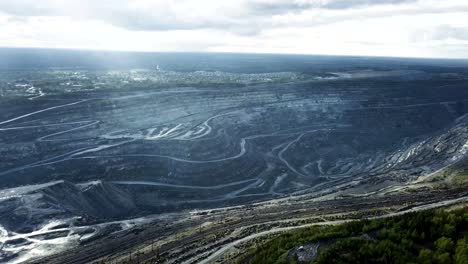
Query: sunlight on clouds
415 28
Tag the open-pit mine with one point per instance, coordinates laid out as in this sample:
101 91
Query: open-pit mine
191 158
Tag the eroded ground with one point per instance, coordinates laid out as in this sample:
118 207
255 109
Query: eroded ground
96 156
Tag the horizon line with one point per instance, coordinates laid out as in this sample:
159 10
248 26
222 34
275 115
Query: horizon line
233 52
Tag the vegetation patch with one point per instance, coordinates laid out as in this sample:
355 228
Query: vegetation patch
435 236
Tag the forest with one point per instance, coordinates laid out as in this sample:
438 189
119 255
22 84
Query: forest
435 236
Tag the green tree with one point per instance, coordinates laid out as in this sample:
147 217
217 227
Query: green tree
461 252
443 258
444 244
425 256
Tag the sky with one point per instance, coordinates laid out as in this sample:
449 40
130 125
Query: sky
401 28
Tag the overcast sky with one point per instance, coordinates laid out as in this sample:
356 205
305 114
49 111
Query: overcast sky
408 28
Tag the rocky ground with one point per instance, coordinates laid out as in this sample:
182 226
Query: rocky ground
112 163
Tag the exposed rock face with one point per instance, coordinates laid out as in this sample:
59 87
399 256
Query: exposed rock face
30 206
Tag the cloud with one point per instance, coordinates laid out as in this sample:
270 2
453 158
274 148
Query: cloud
239 16
281 7
355 27
445 32
346 4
